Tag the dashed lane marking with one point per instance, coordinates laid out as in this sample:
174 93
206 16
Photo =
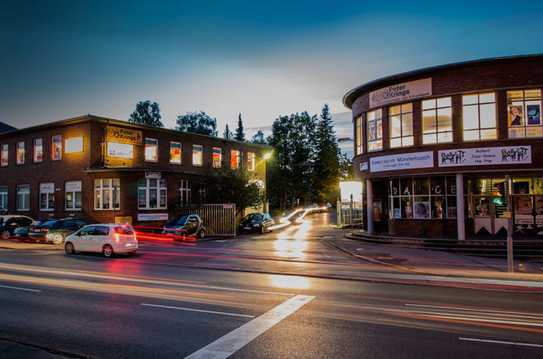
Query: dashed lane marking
21 288
493 341
197 310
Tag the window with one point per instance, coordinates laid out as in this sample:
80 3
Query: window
107 194
73 145
152 193
479 116
234 159
23 197
56 148
437 120
3 198
217 157
184 193
175 153
374 130
359 143
401 125
21 153
72 196
38 149
4 155
151 150
120 150
524 113
47 196
197 155
202 193
251 161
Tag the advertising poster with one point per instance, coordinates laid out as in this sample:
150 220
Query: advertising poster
516 116
422 210
523 210
538 206
533 114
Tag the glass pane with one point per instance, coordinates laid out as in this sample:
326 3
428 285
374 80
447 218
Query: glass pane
444 137
107 199
407 107
407 125
406 186
533 113
514 95
428 121
163 198
428 104
444 102
422 207
469 99
532 94
407 141
517 132
489 134
437 186
534 131
488 116
438 203
515 114
395 126
486 97
471 135
395 142
422 186
429 138
77 200
407 207
444 119
141 198
394 110
153 198
470 117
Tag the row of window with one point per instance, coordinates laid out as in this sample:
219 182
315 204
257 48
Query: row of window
479 120
71 145
72 197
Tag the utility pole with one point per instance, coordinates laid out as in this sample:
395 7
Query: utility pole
510 261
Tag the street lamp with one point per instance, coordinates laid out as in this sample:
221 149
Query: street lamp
266 157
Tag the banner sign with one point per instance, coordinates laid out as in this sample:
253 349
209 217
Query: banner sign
364 166
152 216
485 156
123 135
401 92
402 161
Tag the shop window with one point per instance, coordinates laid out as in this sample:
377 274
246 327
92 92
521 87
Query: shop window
184 193
234 159
152 193
73 145
401 125
479 116
47 196
21 153
437 121
374 130
251 161
359 141
151 150
217 157
120 150
56 147
23 197
72 196
4 155
3 198
38 150
175 153
197 155
107 194
524 113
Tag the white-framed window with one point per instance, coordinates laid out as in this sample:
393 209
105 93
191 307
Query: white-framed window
107 194
359 140
151 150
72 196
184 193
437 120
120 150
175 153
524 113
479 116
3 198
374 130
56 148
47 197
235 159
23 197
216 157
197 155
73 145
251 161
21 153
4 155
152 193
400 119
38 150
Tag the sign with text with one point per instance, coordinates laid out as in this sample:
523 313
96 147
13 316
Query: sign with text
152 216
485 156
401 92
402 161
123 135
364 166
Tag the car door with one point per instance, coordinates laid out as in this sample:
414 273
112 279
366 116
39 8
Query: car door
81 238
99 237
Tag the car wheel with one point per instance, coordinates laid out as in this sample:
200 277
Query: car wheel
69 248
107 251
5 235
58 239
201 234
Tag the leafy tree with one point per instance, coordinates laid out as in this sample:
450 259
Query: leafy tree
240 134
346 171
197 122
258 138
147 113
227 134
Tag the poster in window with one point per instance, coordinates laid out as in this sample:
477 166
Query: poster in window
422 210
523 210
372 130
533 114
516 116
538 206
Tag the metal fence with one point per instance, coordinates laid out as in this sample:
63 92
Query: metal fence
219 219
350 214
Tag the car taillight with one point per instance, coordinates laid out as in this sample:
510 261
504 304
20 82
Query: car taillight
117 237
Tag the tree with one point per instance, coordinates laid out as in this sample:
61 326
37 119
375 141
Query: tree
147 113
240 134
258 138
197 122
227 134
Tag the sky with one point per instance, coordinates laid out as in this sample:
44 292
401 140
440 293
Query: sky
61 59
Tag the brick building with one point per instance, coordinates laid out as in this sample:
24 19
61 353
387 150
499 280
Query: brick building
443 150
102 169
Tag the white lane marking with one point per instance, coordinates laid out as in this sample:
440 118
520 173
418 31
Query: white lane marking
21 288
197 310
238 338
477 319
520 314
492 341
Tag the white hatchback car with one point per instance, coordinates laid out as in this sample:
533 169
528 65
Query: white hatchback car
108 239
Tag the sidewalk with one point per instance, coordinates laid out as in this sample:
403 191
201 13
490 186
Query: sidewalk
14 244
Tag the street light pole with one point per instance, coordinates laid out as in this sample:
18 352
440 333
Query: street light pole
510 260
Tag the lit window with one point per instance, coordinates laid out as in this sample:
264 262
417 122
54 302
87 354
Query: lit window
151 150
251 161
3 198
374 130
107 194
479 116
47 196
359 143
184 193
56 147
38 149
152 193
217 157
4 155
234 159
72 196
197 155
175 153
73 145
21 153
437 120
120 150
23 197
401 125
524 113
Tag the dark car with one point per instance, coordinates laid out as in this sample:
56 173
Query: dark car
55 230
256 222
185 225
8 225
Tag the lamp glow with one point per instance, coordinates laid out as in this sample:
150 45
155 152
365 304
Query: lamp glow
73 145
267 155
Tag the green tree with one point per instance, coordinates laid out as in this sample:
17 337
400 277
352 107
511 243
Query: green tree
197 122
258 138
147 113
227 134
240 134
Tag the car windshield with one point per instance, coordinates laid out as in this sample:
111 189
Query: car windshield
50 224
177 221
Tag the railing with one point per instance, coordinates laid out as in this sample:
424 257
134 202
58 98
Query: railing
350 214
219 219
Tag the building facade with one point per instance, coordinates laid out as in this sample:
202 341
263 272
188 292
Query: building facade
452 151
104 170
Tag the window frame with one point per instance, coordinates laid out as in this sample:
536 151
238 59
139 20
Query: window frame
435 109
161 187
479 129
238 159
358 135
48 196
4 198
18 150
37 150
524 102
56 141
218 163
107 185
4 155
185 193
400 116
25 193
378 120
171 161
74 193
150 145
197 150
251 161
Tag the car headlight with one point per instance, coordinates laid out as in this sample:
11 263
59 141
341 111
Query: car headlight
256 225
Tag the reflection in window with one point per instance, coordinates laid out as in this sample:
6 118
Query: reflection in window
4 155
151 150
359 141
401 125
234 159
107 193
152 193
38 149
479 116
175 153
217 157
197 155
374 130
437 120
56 148
21 153
524 113
72 198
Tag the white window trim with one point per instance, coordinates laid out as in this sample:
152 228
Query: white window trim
111 197
19 209
5 194
73 209
201 156
145 150
147 189
478 106
47 209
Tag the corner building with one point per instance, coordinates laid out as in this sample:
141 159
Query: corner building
443 150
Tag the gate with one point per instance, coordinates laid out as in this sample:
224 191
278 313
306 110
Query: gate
350 214
219 219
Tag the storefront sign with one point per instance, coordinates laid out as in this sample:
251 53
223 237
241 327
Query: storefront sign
402 161
123 219
485 156
401 92
364 166
123 135
152 216
47 187
74 186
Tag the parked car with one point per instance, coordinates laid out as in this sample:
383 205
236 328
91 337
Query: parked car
55 230
9 223
108 239
185 225
256 222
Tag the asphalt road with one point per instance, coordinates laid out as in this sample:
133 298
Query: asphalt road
176 300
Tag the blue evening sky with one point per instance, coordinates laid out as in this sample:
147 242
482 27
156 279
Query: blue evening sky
60 59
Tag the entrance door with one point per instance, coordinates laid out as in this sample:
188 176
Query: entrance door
489 205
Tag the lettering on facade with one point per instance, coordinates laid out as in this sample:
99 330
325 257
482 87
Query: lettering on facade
484 156
401 92
515 154
452 157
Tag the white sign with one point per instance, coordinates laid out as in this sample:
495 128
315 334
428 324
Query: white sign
402 161
73 186
364 166
120 150
152 175
152 216
47 187
485 156
401 92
